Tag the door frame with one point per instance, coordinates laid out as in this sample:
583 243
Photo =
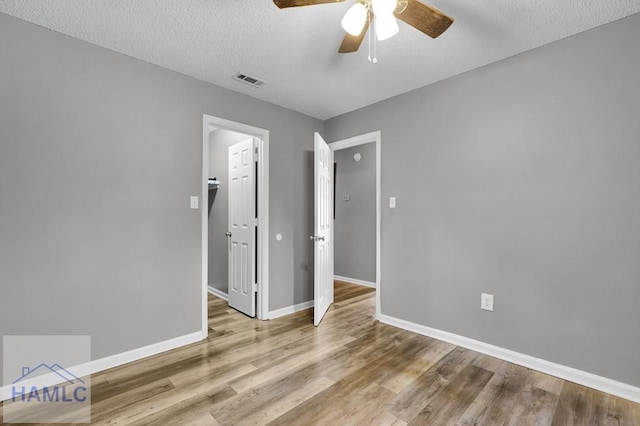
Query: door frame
209 124
375 137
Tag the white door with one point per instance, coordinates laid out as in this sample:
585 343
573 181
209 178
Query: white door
242 227
323 229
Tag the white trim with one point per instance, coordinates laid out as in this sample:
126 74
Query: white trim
207 128
211 123
355 281
290 309
112 361
263 226
216 292
360 140
580 377
355 141
378 223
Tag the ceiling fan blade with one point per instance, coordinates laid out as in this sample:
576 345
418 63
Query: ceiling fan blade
351 43
425 18
296 3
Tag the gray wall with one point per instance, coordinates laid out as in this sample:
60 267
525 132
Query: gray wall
355 222
520 179
517 179
99 154
219 142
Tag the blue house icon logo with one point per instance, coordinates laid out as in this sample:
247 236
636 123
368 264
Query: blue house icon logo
70 388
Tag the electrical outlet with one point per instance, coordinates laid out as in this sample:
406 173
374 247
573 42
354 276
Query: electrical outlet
486 302
194 202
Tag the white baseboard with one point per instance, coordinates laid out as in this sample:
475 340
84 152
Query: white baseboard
290 309
218 293
355 281
102 364
580 377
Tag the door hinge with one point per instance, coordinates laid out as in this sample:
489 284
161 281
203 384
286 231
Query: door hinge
255 287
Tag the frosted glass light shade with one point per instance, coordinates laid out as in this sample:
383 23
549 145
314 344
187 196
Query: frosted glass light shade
383 7
355 18
386 26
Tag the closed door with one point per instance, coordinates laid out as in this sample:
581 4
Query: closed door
242 227
323 229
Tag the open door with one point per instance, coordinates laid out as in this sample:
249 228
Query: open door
323 228
242 227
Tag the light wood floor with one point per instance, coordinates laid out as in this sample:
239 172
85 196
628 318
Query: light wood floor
349 371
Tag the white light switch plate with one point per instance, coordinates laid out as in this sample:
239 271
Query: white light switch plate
392 202
194 202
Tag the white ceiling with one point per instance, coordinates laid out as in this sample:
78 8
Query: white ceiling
295 50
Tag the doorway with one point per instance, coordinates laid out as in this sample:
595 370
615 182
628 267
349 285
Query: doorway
222 134
324 229
362 214
355 215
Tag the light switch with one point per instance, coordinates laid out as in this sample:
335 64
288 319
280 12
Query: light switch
392 202
194 202
346 198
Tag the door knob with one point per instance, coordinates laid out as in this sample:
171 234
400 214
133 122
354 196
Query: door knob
316 238
228 234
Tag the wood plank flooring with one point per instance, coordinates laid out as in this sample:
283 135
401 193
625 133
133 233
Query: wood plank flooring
349 371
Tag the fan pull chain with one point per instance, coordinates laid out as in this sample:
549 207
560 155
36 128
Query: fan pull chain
375 43
372 23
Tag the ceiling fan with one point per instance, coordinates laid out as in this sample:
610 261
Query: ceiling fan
356 21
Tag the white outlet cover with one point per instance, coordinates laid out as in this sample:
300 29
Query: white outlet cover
392 202
486 302
194 202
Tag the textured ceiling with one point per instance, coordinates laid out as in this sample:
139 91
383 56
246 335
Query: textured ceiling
295 50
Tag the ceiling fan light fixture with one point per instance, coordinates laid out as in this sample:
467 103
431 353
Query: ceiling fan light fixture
379 16
355 18
383 7
386 26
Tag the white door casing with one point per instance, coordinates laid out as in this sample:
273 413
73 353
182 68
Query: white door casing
242 227
323 228
209 125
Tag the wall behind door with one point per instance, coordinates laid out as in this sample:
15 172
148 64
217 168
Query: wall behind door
219 142
355 224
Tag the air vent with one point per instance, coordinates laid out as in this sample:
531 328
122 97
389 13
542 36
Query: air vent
247 79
